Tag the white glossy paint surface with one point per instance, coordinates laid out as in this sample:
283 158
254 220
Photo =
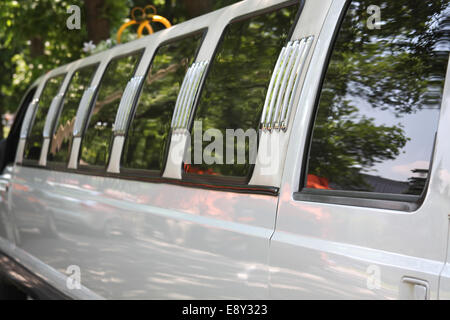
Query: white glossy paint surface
141 240
441 180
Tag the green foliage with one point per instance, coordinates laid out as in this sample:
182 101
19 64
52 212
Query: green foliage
148 134
34 143
395 70
97 139
235 90
62 138
398 57
34 38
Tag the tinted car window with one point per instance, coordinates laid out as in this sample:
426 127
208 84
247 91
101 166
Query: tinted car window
33 145
236 85
62 137
98 135
379 105
147 136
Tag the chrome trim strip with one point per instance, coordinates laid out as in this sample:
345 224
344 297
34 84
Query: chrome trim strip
187 94
290 84
83 110
290 57
26 125
277 84
293 76
180 98
126 105
283 84
301 66
271 84
52 114
195 85
184 102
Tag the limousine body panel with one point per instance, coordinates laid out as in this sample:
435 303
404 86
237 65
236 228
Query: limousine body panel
327 250
440 184
273 145
147 236
140 240
135 239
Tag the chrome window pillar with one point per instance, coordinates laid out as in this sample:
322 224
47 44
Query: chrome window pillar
181 118
80 123
284 92
25 129
52 115
123 118
83 111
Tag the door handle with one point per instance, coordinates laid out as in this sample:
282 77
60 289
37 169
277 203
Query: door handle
417 289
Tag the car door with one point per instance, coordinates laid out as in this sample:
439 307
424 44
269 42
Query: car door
363 211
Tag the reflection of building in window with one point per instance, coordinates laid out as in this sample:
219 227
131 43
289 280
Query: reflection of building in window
385 185
63 132
417 183
377 184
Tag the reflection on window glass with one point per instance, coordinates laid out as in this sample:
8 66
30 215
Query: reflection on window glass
34 142
98 136
236 86
62 138
379 106
147 137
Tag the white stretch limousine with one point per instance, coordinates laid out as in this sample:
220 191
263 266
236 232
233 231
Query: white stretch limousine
271 149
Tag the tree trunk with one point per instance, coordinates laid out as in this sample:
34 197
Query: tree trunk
196 8
1 125
37 47
97 24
